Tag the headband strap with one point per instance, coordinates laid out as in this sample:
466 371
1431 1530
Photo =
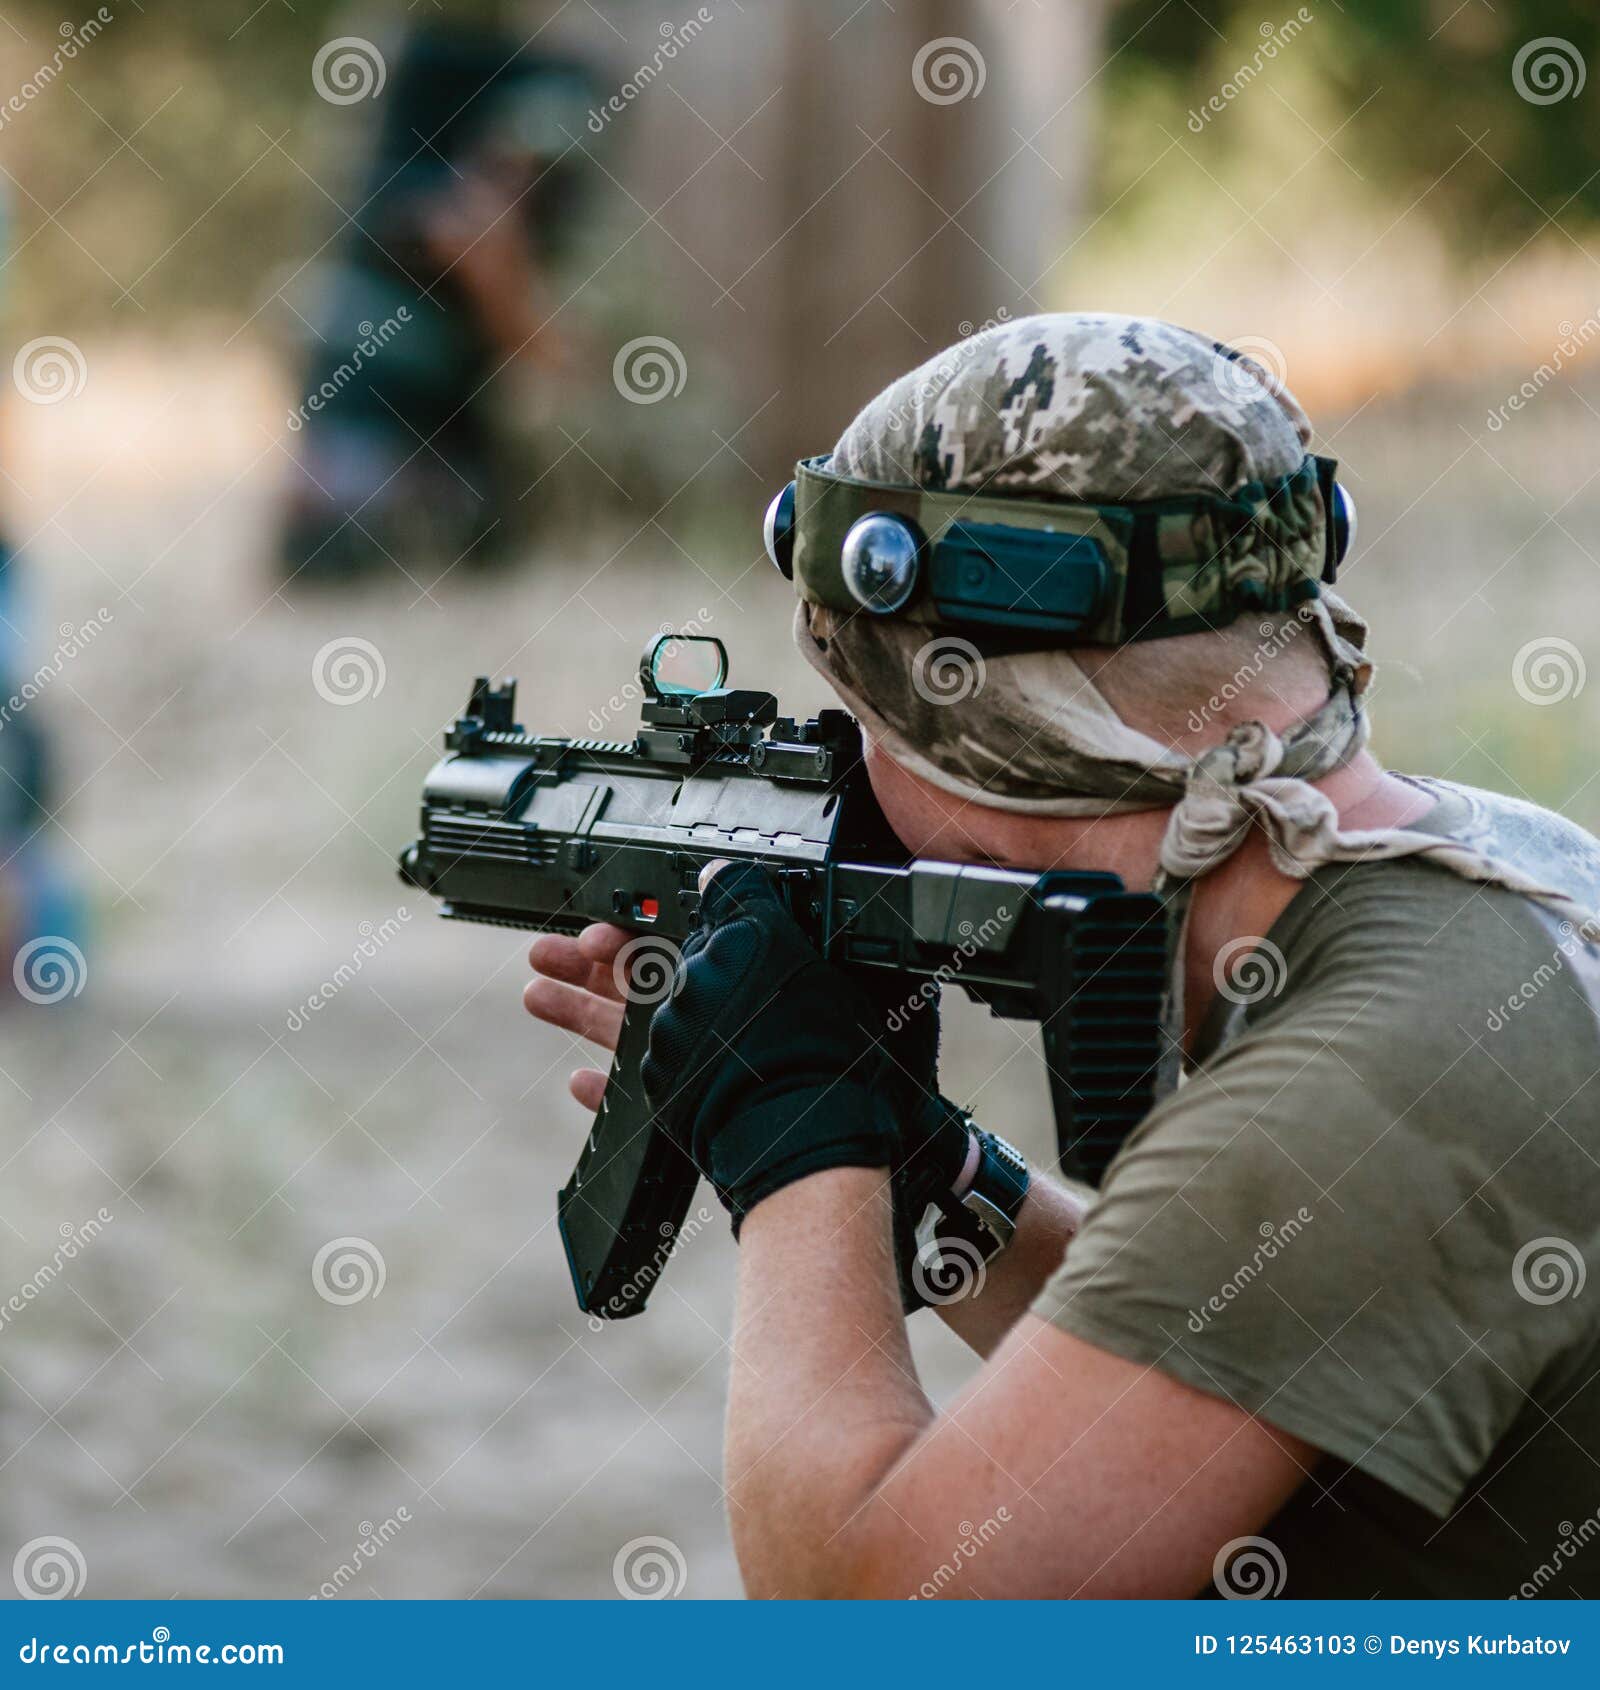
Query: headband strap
1031 573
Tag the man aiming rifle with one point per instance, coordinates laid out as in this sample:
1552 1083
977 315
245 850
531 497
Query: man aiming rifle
1311 1332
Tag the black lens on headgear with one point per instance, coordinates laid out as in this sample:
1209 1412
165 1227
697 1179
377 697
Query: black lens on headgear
1340 511
880 560
1344 522
777 529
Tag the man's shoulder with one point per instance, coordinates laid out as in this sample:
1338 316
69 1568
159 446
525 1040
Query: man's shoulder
1538 842
1427 942
1401 989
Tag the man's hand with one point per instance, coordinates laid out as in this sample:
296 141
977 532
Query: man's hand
765 1064
575 988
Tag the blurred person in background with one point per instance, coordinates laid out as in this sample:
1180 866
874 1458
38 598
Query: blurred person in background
35 904
438 286
37 912
1308 1339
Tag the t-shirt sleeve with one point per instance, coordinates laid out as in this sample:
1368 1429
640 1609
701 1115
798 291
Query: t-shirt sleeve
1364 1228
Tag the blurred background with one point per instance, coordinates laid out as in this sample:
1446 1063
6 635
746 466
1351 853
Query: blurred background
351 352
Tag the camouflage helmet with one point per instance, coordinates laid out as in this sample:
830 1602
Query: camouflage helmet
1084 407
1092 409
1079 408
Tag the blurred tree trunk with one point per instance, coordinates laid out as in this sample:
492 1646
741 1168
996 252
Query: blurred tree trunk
829 225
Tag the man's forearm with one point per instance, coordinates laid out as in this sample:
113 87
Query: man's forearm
1051 1213
824 1399
1110 1478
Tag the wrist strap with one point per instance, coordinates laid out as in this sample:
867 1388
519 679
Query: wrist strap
961 1228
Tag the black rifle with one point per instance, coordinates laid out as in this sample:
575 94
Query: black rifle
552 834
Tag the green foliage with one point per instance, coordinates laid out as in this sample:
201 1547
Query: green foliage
179 157
1441 120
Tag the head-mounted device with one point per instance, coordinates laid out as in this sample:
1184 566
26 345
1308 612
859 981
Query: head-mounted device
1031 573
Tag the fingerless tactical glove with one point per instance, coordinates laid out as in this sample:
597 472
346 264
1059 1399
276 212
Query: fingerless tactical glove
767 1064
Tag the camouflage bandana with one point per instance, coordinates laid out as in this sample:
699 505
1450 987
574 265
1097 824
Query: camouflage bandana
1080 408
1091 408
1083 408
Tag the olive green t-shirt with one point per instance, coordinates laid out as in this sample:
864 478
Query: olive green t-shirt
1368 1217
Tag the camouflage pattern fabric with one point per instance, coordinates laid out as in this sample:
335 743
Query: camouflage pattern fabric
1092 409
1083 408
1076 408
1260 550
